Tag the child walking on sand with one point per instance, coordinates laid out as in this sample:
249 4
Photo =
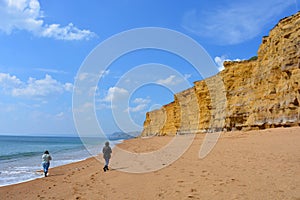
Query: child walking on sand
46 162
106 155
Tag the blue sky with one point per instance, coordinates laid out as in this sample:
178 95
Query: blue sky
44 43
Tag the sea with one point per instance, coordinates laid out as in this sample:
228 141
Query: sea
20 156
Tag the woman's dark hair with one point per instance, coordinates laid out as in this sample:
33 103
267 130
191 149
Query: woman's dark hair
46 152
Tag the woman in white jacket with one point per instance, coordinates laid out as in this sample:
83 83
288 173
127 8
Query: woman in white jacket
46 162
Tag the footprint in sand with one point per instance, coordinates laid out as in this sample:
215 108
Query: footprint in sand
221 183
243 185
92 179
194 194
162 193
192 174
181 183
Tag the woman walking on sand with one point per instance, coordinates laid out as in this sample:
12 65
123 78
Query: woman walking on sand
46 162
106 155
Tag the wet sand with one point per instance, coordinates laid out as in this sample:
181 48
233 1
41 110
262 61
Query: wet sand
243 165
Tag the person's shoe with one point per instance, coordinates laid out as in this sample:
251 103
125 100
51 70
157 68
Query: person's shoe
107 167
104 168
45 174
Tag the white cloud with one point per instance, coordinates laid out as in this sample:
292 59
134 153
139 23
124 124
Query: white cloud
236 21
141 101
59 115
171 80
104 73
8 81
142 104
114 97
92 77
68 87
187 76
220 61
69 32
55 71
137 108
33 87
115 93
27 15
83 76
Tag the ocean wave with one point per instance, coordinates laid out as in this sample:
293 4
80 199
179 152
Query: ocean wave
19 155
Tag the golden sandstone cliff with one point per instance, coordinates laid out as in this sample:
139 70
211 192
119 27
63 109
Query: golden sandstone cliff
254 94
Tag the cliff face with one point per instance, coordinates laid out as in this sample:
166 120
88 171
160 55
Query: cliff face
246 95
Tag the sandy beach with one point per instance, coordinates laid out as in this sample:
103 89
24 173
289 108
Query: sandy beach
243 165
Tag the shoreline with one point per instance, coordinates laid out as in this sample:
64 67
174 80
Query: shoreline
34 171
243 165
40 172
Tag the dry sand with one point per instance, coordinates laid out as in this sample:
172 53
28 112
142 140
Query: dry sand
243 165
